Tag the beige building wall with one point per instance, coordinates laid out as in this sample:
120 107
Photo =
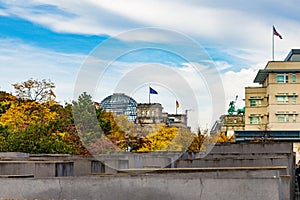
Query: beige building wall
260 110
279 106
283 65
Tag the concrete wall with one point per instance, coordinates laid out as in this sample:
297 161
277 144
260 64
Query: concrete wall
47 165
115 162
37 168
139 187
246 155
270 176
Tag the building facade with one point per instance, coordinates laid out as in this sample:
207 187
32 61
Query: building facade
275 104
231 123
149 113
152 113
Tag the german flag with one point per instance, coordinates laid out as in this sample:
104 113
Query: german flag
177 104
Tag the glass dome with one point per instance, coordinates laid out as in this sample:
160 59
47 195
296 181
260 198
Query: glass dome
119 103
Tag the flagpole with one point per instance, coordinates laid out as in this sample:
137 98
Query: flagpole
273 43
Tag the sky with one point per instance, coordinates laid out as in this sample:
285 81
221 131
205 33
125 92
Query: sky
201 53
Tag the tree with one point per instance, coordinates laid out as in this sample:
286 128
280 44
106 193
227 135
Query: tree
22 114
6 100
160 139
225 139
101 131
85 115
85 120
65 124
33 127
36 139
201 140
4 96
35 90
38 127
182 140
197 144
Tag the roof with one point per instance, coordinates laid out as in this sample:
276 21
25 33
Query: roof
263 73
294 55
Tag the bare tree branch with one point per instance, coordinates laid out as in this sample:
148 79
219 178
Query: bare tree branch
35 90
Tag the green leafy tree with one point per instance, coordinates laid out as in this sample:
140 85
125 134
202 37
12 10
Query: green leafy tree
65 124
36 139
85 115
86 122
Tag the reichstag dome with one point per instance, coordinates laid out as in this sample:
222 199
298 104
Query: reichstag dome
119 103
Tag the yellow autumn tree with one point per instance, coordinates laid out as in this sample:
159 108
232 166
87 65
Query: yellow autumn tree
6 100
34 127
222 138
182 140
22 114
167 139
198 142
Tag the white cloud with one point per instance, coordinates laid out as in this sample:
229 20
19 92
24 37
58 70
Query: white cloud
244 31
235 82
232 25
222 65
20 62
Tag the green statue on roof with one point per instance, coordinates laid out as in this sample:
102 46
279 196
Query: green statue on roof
231 110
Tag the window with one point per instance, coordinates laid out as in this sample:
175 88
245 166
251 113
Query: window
282 78
294 118
255 119
152 113
282 99
294 98
294 78
255 102
283 118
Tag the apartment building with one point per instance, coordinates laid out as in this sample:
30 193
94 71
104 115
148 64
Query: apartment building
275 104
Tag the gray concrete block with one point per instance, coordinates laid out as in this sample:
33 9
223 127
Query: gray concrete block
167 187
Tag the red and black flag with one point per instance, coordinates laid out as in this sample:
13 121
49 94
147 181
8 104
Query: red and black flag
276 33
